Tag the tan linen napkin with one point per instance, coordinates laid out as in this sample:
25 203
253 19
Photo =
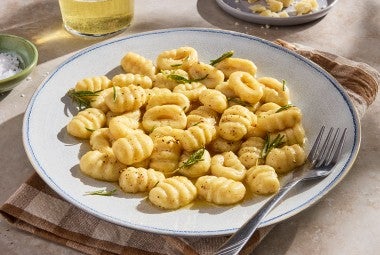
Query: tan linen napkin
39 210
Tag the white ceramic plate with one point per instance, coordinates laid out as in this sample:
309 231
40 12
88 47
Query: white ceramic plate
240 9
55 154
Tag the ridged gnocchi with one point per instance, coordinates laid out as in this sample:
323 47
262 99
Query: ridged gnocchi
220 190
293 135
85 122
207 74
173 193
101 166
214 99
228 165
182 130
235 122
165 155
286 158
262 180
167 78
93 84
120 126
200 168
202 114
135 180
279 120
124 80
190 90
219 145
250 152
101 140
137 64
133 148
197 136
126 98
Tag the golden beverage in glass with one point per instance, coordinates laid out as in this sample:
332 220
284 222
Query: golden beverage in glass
96 18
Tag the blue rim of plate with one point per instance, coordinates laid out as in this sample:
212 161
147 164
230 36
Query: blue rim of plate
289 21
43 174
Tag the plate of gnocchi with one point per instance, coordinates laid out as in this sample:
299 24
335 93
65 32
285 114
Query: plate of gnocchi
277 12
185 131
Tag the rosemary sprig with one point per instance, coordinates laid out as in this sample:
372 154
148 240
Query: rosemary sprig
82 98
179 64
101 192
283 108
225 55
283 85
197 123
238 101
114 93
194 158
269 145
181 79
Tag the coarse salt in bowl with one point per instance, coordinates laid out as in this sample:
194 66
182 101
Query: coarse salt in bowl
9 64
18 57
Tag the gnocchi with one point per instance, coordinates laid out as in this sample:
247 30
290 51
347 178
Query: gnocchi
134 180
173 192
220 190
180 129
262 180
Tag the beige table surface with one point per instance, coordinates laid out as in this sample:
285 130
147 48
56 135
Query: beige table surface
346 221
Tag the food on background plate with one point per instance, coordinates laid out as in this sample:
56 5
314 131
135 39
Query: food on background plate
282 8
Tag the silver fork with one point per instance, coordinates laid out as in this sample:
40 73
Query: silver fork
318 165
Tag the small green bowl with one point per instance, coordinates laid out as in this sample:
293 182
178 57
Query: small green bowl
29 56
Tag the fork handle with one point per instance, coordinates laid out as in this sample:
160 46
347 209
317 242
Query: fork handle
237 241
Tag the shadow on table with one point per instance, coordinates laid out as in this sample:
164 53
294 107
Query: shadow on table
274 245
15 167
41 23
212 13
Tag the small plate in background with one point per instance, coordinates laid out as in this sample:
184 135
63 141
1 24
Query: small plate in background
240 9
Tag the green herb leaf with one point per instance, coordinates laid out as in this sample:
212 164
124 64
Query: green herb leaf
156 184
176 65
283 85
238 101
114 93
194 158
269 145
178 78
283 108
82 98
152 129
196 124
225 55
102 192
199 79
89 129
181 79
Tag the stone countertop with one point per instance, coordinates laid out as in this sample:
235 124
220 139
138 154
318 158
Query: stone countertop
346 221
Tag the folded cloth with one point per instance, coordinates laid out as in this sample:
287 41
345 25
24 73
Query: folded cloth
38 209
360 80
